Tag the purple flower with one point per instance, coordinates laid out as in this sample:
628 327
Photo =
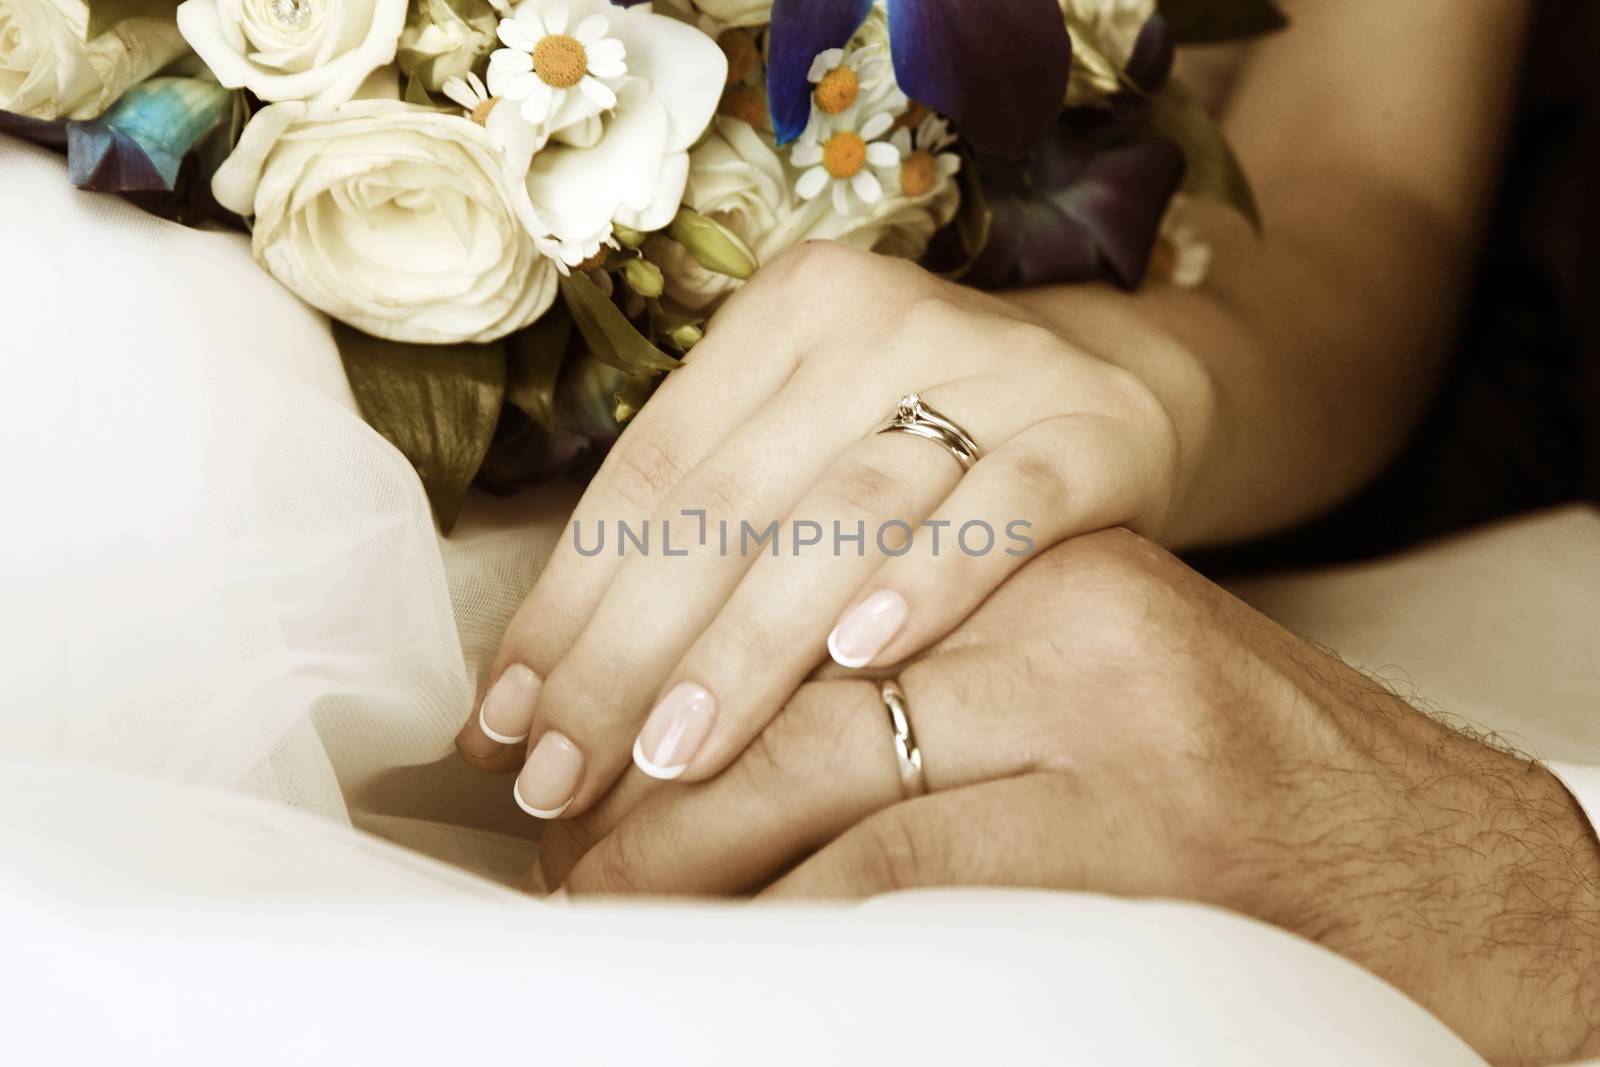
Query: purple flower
997 67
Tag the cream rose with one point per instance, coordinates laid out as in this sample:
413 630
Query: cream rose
50 69
444 39
318 50
737 179
737 12
1103 35
402 221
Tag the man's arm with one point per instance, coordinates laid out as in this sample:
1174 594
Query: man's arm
1372 133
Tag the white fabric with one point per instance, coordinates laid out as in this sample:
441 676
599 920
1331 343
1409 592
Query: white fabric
223 594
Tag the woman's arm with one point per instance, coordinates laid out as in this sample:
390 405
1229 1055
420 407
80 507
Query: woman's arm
1371 132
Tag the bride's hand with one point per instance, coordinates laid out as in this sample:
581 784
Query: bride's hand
690 652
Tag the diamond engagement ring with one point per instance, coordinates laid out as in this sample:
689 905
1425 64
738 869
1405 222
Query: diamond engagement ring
914 417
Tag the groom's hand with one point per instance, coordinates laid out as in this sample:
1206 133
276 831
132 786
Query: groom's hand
1111 721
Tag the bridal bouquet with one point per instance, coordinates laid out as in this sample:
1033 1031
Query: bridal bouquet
521 213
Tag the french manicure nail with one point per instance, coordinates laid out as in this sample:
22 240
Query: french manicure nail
868 628
675 731
549 780
506 714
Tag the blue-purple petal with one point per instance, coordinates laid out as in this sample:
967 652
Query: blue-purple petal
140 144
999 69
1120 200
800 30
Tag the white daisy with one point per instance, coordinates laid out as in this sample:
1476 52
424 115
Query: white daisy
542 62
472 95
844 155
508 130
924 163
843 77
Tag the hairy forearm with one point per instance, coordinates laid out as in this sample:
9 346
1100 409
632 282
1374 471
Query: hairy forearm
1479 896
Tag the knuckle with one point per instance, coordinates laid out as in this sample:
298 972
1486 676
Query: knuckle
825 263
725 494
865 489
1033 476
642 470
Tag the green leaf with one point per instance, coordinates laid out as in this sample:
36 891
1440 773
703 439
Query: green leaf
105 14
1214 21
1213 170
611 337
438 404
713 245
417 93
534 358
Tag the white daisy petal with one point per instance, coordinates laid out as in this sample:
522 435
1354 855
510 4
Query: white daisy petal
876 126
556 18
608 48
841 198
590 30
819 67
867 187
805 154
811 183
882 154
607 70
539 101
478 88
598 91
901 139
458 91
946 164
512 33
513 86
510 60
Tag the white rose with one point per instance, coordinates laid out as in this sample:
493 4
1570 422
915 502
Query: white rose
402 221
318 50
444 39
50 70
737 12
737 179
1103 35
626 160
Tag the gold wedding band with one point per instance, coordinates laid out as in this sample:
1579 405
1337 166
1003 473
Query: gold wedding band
912 782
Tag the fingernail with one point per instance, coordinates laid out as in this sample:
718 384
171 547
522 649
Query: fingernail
506 715
558 897
549 780
867 629
675 731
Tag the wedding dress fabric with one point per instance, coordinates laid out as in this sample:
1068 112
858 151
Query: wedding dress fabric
228 631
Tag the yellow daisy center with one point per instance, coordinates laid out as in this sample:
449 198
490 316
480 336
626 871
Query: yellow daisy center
837 90
480 114
844 154
918 173
560 61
